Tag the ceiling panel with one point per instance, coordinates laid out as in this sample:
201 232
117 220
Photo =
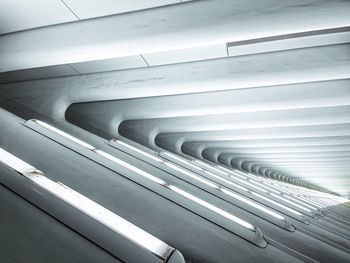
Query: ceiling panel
246 48
93 8
41 73
16 15
110 64
186 55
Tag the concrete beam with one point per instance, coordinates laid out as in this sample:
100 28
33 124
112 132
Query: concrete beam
167 28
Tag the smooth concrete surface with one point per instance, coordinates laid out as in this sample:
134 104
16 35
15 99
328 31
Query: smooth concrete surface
28 234
262 87
195 237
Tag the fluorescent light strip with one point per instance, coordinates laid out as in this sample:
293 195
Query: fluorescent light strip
15 163
290 202
89 207
191 175
210 167
295 200
161 182
251 185
261 208
234 173
240 172
226 192
182 160
213 208
64 134
239 175
264 186
179 191
131 167
278 204
225 169
226 181
310 201
137 150
252 180
288 193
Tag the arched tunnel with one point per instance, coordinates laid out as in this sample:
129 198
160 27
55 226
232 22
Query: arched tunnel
204 131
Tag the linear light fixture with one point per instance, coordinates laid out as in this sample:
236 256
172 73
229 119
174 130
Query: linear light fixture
287 194
309 201
261 208
239 175
109 219
210 167
213 208
224 168
182 160
183 193
137 150
264 186
290 202
230 193
278 204
191 175
153 178
64 134
131 167
295 200
15 163
251 185
226 181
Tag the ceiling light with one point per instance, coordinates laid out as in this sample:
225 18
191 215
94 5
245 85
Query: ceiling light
261 208
191 175
210 167
182 160
137 150
131 167
290 202
89 207
226 181
213 208
276 203
64 134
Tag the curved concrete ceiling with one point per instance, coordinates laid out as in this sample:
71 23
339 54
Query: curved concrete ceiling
272 100
96 94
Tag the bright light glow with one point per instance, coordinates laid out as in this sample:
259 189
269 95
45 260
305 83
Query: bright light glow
89 207
210 167
182 160
309 201
251 185
261 208
226 191
191 175
226 181
290 202
224 168
276 203
64 134
237 174
213 208
264 186
150 177
108 218
295 200
137 150
131 167
15 163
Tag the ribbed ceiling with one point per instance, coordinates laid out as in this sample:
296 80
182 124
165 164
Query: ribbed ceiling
263 87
